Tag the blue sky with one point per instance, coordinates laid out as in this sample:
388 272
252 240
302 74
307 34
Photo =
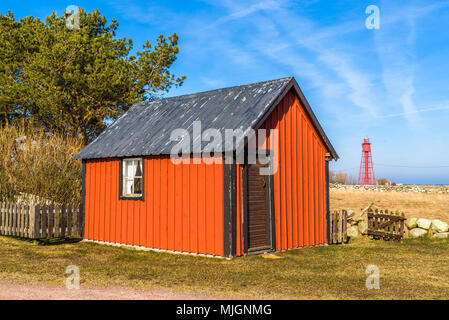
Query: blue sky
389 84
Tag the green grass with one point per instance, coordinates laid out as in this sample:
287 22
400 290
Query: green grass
413 269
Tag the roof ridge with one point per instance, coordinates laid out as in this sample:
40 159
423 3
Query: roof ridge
208 92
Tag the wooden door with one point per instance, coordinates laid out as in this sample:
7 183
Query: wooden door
258 209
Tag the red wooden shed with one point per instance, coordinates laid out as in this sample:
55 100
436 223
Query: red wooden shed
135 194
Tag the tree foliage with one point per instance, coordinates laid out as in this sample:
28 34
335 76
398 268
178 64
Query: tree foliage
77 80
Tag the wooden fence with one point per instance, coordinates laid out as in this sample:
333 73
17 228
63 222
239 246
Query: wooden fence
338 227
385 225
41 221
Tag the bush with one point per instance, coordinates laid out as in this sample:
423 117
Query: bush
36 166
341 178
382 181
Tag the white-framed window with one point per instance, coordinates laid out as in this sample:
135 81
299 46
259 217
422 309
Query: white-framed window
132 178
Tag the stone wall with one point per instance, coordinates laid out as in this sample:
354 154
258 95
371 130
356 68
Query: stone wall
376 188
416 227
420 227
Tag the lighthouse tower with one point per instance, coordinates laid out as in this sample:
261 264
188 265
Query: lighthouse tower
366 173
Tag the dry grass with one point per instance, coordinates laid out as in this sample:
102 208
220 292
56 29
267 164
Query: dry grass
413 269
420 205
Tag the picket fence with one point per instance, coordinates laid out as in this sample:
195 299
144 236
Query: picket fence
41 221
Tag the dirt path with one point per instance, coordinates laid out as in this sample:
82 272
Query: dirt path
11 291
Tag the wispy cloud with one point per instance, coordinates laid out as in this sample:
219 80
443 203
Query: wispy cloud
214 83
292 41
395 48
237 11
416 111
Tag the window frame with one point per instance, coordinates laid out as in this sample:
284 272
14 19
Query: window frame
121 178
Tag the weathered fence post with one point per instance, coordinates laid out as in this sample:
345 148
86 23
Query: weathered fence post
345 225
14 219
2 216
331 227
51 220
69 220
44 219
335 223
81 220
34 226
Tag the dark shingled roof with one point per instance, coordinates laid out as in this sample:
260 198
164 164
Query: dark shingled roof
146 127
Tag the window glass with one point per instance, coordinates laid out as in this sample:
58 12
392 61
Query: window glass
132 177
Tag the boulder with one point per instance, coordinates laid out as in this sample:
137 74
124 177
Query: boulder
423 223
417 232
352 232
351 213
411 223
442 235
358 219
439 226
363 227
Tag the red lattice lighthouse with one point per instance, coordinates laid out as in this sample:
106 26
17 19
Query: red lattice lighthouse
366 173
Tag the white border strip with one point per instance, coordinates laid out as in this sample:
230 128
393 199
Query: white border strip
134 247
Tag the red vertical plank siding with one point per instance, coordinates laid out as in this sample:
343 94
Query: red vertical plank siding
149 199
163 212
194 208
307 192
182 208
288 163
88 201
209 194
299 183
283 164
311 177
275 124
300 161
178 208
316 189
96 217
107 205
320 195
294 175
185 209
218 201
201 209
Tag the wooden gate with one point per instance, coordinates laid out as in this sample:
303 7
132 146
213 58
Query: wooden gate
338 227
385 225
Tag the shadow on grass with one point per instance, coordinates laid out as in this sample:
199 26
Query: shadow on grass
49 241
57 241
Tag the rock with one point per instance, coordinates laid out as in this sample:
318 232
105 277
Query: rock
442 235
363 227
411 223
351 213
352 232
439 226
423 223
417 232
354 223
